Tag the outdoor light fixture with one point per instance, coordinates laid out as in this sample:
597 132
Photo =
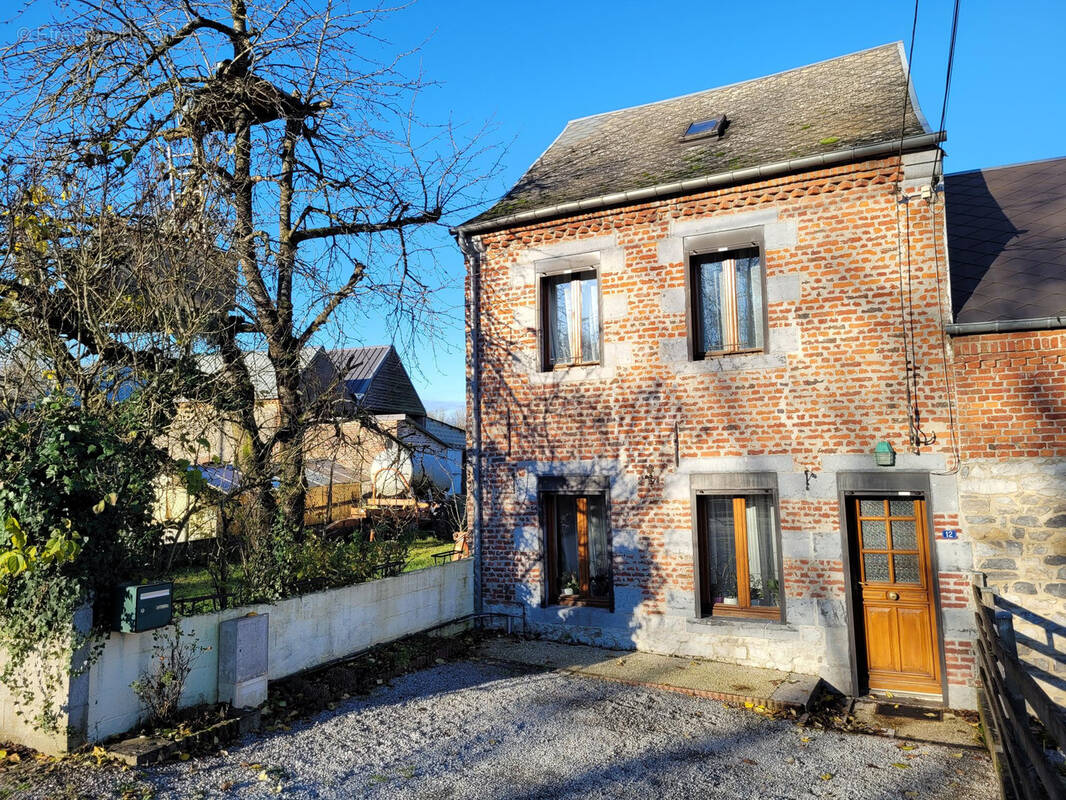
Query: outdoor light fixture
884 455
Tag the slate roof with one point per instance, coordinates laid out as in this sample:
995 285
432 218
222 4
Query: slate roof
1007 241
376 378
846 102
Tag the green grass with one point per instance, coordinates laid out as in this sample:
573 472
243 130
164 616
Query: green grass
196 581
421 553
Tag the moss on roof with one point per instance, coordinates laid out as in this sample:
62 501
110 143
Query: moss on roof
846 102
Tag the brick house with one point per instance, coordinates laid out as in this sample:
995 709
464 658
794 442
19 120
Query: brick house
698 328
1007 248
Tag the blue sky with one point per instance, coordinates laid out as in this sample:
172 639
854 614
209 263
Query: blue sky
531 66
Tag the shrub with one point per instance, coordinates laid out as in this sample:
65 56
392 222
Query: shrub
160 689
320 563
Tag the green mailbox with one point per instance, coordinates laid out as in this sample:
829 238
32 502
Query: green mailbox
143 606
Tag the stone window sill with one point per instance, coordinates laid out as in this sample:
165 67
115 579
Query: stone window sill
740 626
573 374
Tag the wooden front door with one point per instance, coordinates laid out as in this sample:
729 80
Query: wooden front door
896 594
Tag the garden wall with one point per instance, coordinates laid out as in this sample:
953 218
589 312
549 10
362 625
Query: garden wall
304 632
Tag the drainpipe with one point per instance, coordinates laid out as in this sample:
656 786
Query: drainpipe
1005 326
473 250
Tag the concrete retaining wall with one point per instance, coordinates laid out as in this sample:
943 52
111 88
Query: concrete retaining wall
304 632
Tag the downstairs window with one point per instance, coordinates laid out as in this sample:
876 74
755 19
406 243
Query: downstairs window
578 554
738 556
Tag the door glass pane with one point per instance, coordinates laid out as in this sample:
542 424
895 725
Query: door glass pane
721 550
762 552
904 534
872 508
709 294
749 301
875 566
559 308
906 566
874 536
901 508
569 569
599 562
590 319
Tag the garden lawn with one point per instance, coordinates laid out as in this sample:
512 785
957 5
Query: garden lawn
421 553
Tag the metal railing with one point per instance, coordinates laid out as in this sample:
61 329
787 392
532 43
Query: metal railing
1022 747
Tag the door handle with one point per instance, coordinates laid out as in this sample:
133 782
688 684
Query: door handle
893 595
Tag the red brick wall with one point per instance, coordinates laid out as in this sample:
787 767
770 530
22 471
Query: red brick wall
843 391
1012 394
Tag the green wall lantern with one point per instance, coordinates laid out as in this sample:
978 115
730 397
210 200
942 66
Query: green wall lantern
884 455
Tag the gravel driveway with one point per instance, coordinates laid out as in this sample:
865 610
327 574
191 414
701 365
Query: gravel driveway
471 729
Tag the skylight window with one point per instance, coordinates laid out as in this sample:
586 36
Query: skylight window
703 128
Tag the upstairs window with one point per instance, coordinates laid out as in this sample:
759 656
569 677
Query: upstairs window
738 556
728 312
571 319
578 556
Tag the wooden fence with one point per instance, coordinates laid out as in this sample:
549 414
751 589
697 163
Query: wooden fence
1022 747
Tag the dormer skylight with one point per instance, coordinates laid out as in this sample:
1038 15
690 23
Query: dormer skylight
705 128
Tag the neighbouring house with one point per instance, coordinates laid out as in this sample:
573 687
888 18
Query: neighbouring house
1007 248
711 396
372 437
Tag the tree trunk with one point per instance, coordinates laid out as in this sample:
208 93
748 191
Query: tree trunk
289 456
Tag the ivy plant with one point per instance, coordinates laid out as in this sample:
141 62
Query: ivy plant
76 500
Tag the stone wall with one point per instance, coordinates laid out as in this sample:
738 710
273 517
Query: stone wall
1015 510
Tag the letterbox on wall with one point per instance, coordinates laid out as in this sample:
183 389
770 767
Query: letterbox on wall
142 607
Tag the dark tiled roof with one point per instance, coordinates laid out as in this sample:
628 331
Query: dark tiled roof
376 378
1007 242
849 101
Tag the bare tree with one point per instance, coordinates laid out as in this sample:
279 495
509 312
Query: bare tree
278 140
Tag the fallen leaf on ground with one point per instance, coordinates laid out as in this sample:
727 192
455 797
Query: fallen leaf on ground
900 765
825 776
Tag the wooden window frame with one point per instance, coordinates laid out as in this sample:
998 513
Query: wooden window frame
574 323
743 609
731 316
553 591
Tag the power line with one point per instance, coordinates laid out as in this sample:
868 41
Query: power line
948 366
909 364
947 81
